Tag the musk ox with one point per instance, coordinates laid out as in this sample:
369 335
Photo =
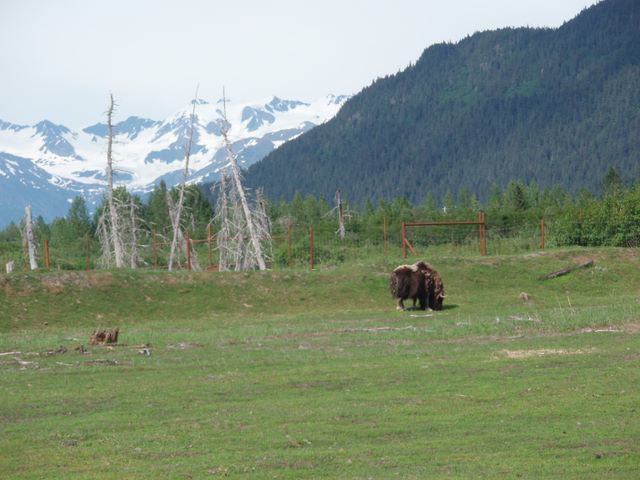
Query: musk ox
420 282
435 289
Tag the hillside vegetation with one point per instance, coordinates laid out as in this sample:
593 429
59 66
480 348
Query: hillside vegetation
555 106
304 374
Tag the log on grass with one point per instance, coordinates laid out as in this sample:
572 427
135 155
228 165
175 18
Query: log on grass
568 269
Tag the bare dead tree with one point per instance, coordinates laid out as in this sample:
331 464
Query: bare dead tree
29 238
185 176
342 215
106 259
340 209
222 215
133 249
114 234
119 223
181 241
263 222
232 244
253 255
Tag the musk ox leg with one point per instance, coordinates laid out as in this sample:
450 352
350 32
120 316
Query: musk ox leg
423 304
400 304
416 305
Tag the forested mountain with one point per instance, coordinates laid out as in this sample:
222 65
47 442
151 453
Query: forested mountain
555 106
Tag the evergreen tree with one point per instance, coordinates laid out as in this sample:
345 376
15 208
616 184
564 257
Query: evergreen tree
515 197
612 182
495 198
78 218
156 210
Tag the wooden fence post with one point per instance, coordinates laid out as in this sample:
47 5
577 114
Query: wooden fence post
312 247
154 248
289 245
482 220
542 234
385 238
188 240
47 259
209 237
404 240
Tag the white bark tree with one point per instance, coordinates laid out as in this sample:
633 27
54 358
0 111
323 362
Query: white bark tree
114 228
118 225
224 232
340 210
133 249
185 175
342 214
29 238
181 241
242 229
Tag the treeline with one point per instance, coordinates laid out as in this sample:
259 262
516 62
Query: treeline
585 219
76 232
609 219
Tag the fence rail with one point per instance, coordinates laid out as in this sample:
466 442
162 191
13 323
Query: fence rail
297 245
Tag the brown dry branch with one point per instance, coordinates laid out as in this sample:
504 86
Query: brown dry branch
568 269
104 336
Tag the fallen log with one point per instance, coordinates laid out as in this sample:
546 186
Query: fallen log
568 269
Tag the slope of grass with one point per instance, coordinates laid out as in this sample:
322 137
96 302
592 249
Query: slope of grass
313 374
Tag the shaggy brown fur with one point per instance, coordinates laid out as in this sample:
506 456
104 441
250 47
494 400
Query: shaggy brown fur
420 282
435 289
408 281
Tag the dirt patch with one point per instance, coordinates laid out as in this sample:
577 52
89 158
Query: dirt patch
57 283
184 346
631 328
337 331
106 362
52 285
541 352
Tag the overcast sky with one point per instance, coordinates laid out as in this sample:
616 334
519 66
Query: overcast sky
59 60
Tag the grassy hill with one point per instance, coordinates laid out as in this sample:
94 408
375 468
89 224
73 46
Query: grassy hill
299 374
555 106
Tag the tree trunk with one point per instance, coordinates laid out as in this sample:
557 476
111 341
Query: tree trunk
341 228
185 175
114 234
235 173
181 242
134 239
30 238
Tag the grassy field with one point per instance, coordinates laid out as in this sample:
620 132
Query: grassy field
298 374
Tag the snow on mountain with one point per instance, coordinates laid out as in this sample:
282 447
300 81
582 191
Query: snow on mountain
23 183
54 161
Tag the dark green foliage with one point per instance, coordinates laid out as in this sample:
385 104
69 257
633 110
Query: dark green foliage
585 219
156 209
612 182
612 220
197 211
557 107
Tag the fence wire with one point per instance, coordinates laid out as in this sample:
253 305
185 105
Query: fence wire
299 245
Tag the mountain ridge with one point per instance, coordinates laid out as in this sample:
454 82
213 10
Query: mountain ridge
552 106
66 162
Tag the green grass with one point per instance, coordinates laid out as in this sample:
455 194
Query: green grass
313 374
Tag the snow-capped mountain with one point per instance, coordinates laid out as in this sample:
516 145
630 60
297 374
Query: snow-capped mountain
47 165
